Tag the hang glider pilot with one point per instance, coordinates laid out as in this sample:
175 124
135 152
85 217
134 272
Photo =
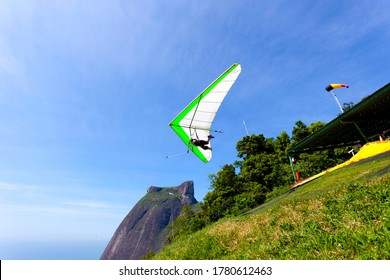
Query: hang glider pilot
202 143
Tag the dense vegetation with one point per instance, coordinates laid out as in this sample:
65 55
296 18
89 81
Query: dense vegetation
341 215
261 172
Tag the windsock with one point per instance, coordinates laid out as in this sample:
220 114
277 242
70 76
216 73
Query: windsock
333 86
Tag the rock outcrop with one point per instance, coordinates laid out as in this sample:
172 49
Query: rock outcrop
146 226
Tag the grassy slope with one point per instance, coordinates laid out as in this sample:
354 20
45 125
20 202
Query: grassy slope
342 215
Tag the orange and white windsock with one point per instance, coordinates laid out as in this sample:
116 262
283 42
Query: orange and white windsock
333 86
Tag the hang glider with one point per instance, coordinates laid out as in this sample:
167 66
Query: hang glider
195 120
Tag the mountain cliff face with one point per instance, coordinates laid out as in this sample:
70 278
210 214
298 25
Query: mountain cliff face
145 228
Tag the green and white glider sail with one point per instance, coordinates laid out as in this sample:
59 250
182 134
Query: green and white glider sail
194 122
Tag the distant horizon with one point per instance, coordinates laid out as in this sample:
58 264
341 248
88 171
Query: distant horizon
83 249
53 250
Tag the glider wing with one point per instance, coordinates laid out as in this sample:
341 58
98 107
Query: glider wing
194 121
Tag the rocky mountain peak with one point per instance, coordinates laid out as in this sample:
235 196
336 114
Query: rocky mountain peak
146 226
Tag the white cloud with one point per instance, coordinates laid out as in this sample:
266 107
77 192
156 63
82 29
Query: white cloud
22 190
87 204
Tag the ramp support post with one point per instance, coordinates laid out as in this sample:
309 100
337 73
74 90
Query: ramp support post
292 167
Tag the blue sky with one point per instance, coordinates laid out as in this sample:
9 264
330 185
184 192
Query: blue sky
87 89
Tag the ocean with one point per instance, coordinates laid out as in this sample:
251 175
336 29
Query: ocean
52 250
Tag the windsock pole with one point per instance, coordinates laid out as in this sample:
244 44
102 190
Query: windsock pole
330 88
337 101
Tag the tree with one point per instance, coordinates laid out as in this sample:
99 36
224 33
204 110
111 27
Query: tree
314 127
182 224
300 131
348 106
263 167
281 144
224 186
254 144
186 223
309 164
314 163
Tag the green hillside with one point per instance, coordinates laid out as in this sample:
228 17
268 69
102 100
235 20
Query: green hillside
343 215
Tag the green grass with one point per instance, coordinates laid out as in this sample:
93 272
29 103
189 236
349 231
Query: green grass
342 215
